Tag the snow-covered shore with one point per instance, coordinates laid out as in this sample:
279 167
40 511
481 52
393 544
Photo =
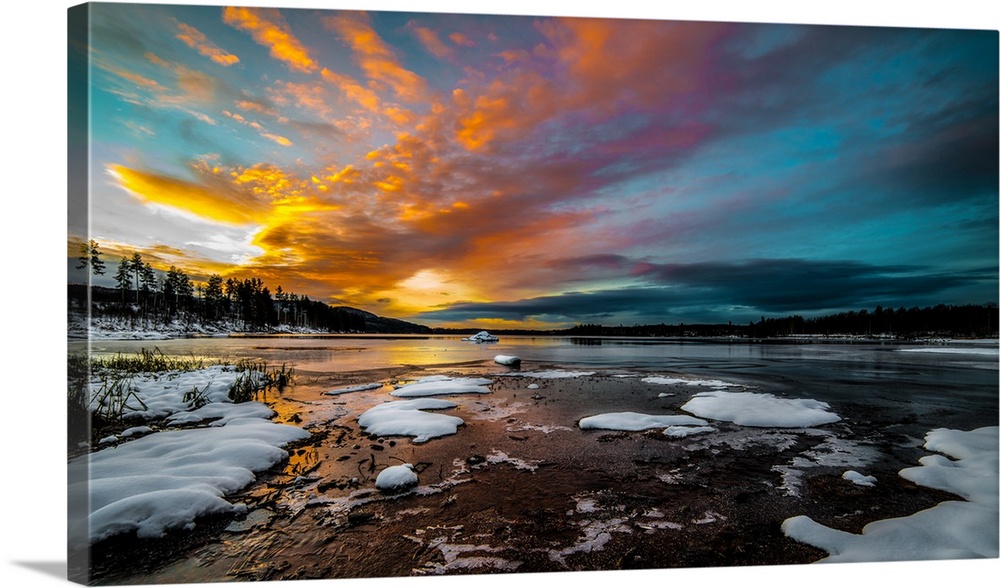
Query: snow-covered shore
121 329
153 481
951 530
149 482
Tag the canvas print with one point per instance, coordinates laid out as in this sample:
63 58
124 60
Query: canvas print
382 294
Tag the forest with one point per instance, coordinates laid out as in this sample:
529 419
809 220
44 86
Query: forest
144 299
967 321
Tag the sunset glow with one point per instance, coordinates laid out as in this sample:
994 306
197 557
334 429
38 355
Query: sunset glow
523 171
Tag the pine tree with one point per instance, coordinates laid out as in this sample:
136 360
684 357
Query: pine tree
136 264
178 285
213 295
148 277
123 279
90 255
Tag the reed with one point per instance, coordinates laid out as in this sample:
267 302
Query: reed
256 379
146 360
196 398
115 395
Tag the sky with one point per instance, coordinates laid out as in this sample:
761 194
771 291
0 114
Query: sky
532 171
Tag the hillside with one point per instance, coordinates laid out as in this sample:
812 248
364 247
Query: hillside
146 315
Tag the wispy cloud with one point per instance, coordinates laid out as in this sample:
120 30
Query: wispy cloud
196 40
269 29
376 58
431 41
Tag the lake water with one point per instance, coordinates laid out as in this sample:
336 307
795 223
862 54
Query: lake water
962 374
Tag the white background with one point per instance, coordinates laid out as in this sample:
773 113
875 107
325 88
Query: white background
33 90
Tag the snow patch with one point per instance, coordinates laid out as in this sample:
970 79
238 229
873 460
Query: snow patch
407 418
689 382
682 431
550 374
634 421
166 480
443 385
358 388
954 350
162 394
859 478
507 360
395 478
753 409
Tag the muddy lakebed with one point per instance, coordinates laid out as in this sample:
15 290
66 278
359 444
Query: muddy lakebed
521 487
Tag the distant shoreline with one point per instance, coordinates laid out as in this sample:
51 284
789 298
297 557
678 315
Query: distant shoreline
154 335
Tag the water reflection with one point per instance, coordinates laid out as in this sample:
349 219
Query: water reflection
354 353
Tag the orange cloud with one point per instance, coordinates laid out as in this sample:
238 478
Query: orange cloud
134 78
610 59
506 108
267 28
214 202
272 182
195 85
342 253
375 57
460 39
353 90
196 40
367 98
346 175
597 66
256 106
515 55
280 140
432 42
190 85
311 96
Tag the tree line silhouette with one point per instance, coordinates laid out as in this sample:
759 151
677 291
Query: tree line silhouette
145 298
974 321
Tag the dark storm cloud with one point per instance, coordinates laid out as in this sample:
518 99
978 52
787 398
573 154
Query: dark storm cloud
955 164
796 285
696 292
580 306
916 110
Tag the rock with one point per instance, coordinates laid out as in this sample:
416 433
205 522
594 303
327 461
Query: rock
359 518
